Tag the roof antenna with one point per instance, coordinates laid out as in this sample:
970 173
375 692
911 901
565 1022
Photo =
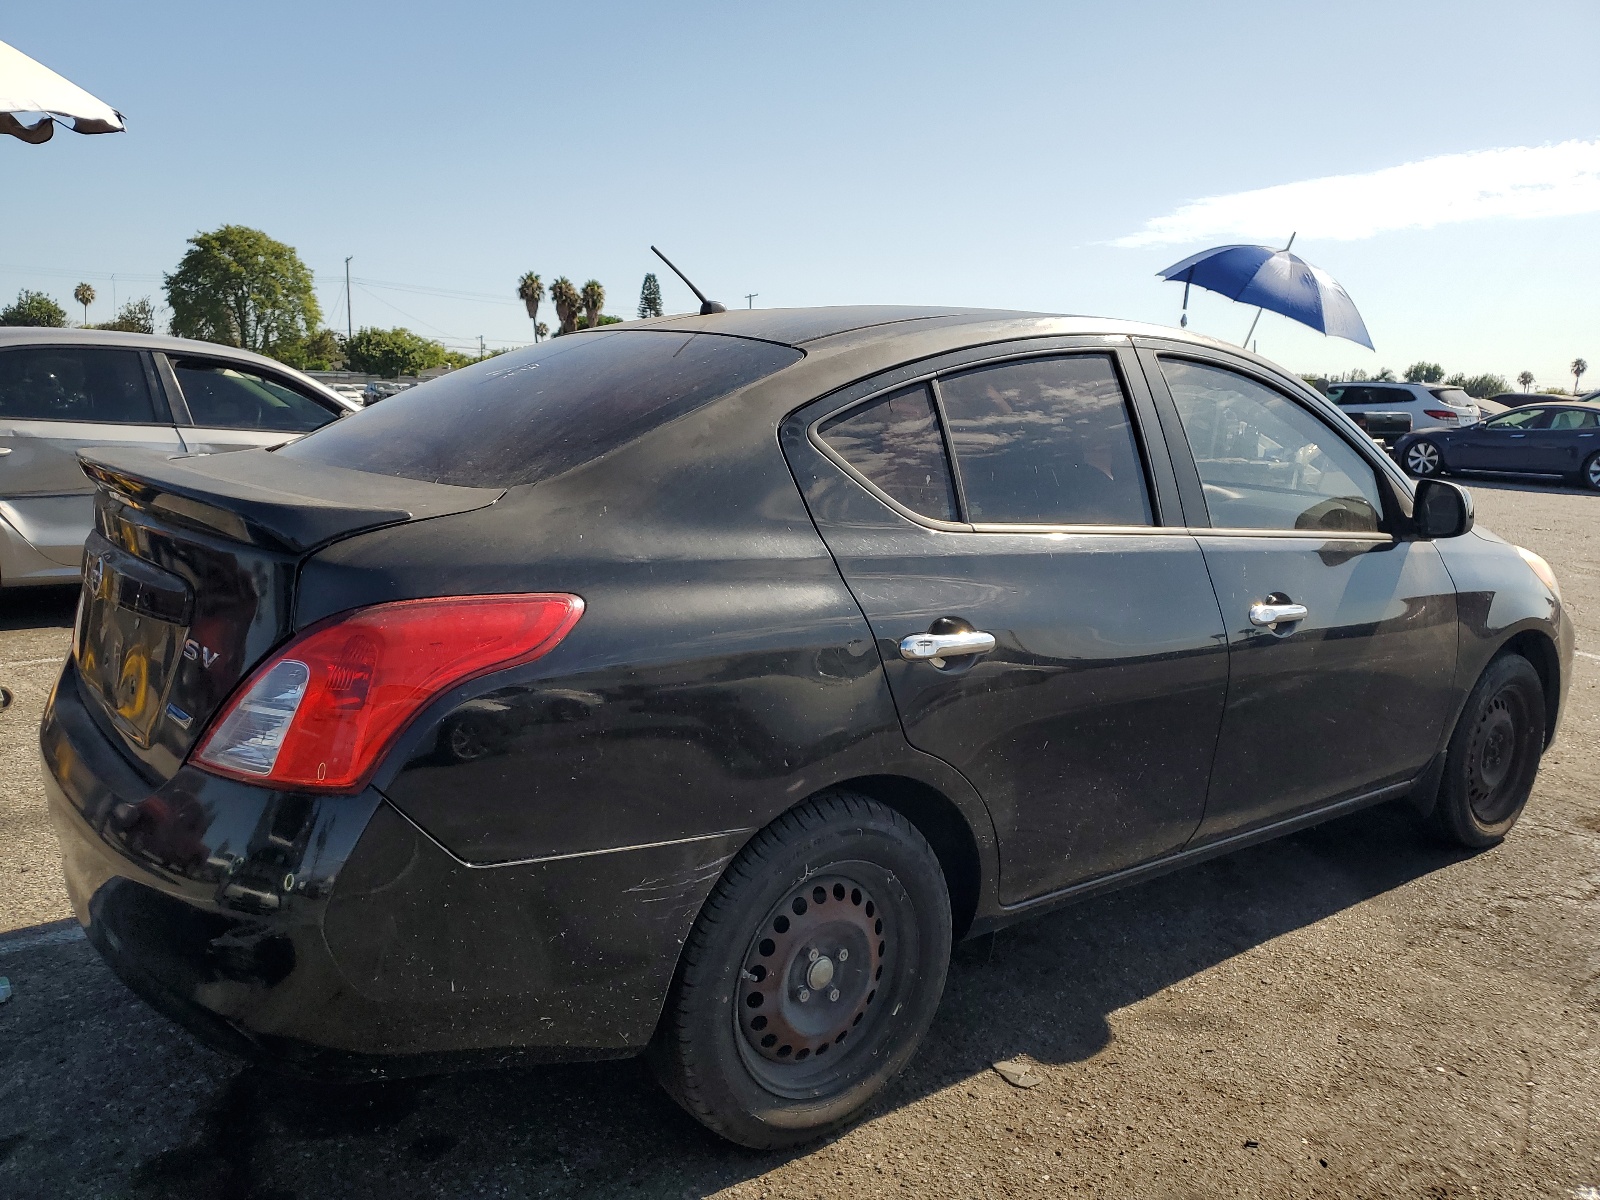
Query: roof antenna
707 307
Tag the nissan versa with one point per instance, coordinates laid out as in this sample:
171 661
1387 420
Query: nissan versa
688 686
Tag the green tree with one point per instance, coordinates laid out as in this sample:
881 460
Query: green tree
650 297
320 351
568 304
593 297
1479 387
84 295
393 352
1386 375
530 290
237 286
136 316
541 331
1424 372
34 308
1525 380
1578 368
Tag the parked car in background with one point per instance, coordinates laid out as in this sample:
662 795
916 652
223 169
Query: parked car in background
1523 399
62 390
1430 405
1491 407
689 686
1540 439
382 389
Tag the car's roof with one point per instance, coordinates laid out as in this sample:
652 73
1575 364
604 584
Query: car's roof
36 335
808 327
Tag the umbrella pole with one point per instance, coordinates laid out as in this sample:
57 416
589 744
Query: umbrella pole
1246 343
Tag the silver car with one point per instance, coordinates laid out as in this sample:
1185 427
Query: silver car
63 390
1429 405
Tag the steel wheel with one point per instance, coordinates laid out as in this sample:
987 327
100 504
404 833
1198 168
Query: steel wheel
1422 459
810 976
1493 755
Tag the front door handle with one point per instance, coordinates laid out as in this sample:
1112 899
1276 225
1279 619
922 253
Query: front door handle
4 450
936 647
1270 616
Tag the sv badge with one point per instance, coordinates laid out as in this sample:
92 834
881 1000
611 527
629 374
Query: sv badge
194 650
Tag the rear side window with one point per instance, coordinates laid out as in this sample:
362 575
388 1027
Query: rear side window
223 396
67 383
1046 441
895 442
535 413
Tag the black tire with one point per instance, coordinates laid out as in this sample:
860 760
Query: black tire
839 871
1589 476
1493 755
1423 459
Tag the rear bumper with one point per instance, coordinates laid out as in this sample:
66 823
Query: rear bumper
330 935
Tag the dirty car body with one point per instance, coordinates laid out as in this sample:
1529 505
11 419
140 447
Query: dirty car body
518 869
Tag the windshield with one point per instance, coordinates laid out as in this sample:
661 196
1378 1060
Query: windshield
536 412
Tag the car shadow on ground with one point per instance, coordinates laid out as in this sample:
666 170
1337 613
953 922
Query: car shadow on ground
1046 988
38 607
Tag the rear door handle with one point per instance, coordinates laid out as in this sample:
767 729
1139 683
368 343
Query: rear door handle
1269 616
4 450
936 647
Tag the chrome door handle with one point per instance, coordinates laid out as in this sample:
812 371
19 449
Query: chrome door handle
1270 616
936 647
4 450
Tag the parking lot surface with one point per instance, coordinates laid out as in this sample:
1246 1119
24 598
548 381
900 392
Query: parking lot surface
1353 1011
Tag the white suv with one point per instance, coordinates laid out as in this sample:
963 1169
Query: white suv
1430 405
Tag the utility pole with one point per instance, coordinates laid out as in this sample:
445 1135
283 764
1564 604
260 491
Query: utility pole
480 345
750 299
349 321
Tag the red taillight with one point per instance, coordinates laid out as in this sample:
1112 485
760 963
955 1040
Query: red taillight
1441 414
319 714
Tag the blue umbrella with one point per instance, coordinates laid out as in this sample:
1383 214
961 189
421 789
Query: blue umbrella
1276 280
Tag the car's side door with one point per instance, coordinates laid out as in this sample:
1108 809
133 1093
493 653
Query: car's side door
222 405
1561 443
1498 444
54 401
1011 531
1341 629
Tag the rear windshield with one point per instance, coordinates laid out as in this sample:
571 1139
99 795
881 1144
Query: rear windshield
534 413
1453 396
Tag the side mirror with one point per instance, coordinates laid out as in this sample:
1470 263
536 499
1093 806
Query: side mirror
1441 510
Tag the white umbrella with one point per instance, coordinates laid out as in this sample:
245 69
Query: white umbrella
30 89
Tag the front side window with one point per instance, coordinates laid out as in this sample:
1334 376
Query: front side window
1265 462
1517 418
64 383
895 442
1046 441
223 396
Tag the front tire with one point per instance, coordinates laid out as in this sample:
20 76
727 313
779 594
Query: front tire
1423 459
810 976
1493 755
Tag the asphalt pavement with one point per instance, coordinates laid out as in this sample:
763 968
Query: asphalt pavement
1353 1011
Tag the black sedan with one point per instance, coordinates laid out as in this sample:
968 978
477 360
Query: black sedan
1541 439
689 686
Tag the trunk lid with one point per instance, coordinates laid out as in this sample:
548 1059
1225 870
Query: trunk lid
189 577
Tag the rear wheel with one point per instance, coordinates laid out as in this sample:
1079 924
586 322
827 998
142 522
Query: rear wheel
1493 755
1422 459
1590 475
810 976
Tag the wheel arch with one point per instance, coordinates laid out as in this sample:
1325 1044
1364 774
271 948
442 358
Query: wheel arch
1540 651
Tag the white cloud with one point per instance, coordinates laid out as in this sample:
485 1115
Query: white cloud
1517 181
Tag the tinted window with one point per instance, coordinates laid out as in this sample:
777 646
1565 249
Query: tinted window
1571 418
1517 418
51 383
1265 462
224 396
1046 441
1454 396
536 412
895 442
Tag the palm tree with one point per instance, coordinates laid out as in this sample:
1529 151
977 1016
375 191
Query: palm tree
1578 368
594 299
530 290
568 303
541 330
1525 380
84 295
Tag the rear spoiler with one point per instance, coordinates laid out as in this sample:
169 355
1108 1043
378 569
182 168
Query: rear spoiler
264 499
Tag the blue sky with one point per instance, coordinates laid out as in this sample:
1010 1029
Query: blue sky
1045 156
